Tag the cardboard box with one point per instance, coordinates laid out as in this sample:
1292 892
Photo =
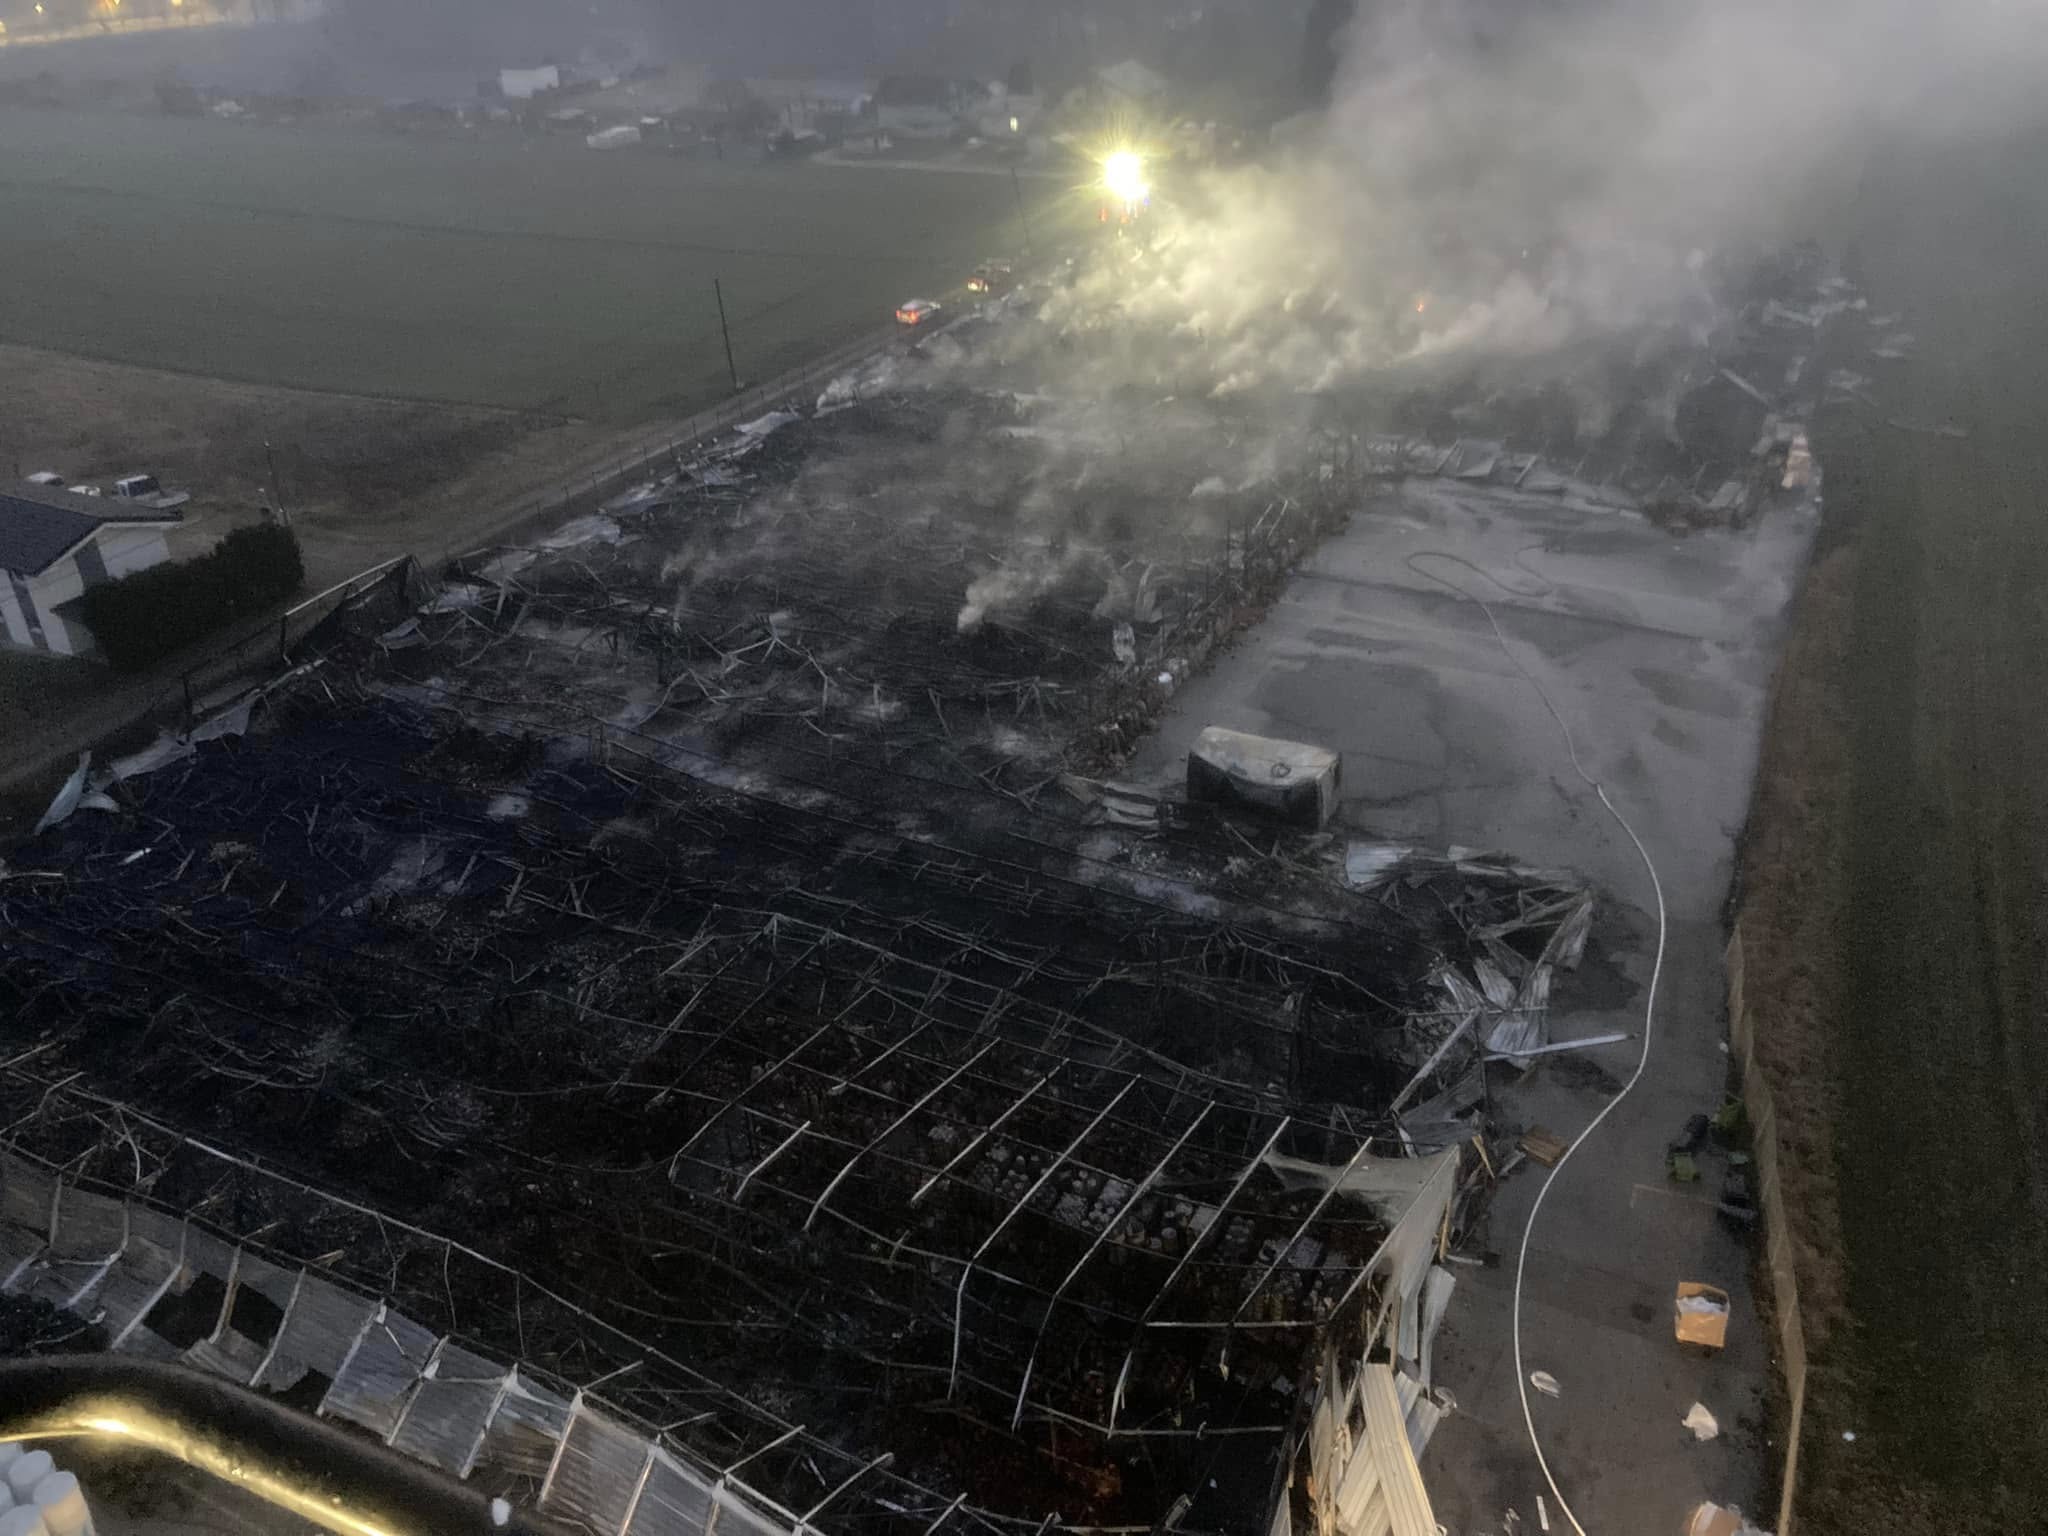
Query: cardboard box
1696 1324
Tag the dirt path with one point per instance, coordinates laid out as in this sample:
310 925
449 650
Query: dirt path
1898 876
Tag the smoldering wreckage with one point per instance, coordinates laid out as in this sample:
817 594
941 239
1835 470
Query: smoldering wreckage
681 1021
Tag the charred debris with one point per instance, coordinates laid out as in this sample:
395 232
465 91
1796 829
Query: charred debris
704 955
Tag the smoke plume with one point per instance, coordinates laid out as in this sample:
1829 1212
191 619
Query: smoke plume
1509 181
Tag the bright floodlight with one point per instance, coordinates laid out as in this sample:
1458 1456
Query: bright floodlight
1124 174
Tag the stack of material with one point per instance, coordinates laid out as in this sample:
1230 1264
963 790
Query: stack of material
1285 780
36 1499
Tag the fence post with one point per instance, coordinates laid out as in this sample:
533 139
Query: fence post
1777 1224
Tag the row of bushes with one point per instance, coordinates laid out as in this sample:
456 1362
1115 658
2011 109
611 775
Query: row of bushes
139 619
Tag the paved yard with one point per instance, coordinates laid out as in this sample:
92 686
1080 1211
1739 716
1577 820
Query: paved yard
1658 653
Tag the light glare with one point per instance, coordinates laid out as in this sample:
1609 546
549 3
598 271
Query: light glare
1124 174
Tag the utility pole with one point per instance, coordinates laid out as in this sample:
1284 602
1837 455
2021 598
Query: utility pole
1023 213
276 485
726 331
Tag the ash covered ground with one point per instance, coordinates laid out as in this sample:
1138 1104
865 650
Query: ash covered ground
722 914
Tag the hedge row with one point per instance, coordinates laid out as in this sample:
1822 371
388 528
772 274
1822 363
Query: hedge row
141 618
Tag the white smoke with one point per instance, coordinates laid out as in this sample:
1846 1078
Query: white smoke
1017 584
1510 180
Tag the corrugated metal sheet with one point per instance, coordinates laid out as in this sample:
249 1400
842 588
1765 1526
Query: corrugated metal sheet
445 1422
377 1380
67 1283
1437 1286
528 1425
153 1226
230 1355
1323 1461
466 1412
1423 1419
596 1472
238 1353
146 1342
737 1517
137 1283
675 1500
1405 1256
1394 1475
273 1282
26 1193
90 1228
319 1330
19 1250
206 1254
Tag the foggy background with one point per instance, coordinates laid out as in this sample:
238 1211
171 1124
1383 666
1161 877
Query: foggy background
1427 180
1520 178
401 49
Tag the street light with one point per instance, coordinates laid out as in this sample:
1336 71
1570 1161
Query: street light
1124 174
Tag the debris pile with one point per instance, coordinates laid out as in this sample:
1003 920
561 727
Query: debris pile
711 916
709 941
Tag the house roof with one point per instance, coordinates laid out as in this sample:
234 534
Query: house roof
914 91
39 527
1131 78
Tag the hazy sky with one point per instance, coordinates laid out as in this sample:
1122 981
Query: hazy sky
1542 172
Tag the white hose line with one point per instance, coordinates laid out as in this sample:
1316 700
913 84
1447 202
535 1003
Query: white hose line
1649 1006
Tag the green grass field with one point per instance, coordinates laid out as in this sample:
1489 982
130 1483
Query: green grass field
505 272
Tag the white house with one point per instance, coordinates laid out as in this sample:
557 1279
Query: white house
525 84
1132 86
53 545
920 106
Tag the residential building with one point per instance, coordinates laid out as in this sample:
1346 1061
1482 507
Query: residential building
920 106
53 545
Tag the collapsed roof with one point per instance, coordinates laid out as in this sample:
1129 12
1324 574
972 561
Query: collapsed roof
715 932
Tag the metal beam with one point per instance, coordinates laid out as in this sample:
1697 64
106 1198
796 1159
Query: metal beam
1452 1162
719 1113
882 1460
772 930
893 1127
869 1065
1436 1056
1300 1232
1557 1046
967 1270
983 1135
786 1143
782 1439
1123 1376
1137 1194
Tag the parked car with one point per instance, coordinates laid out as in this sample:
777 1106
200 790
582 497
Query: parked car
916 311
49 478
149 491
992 278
